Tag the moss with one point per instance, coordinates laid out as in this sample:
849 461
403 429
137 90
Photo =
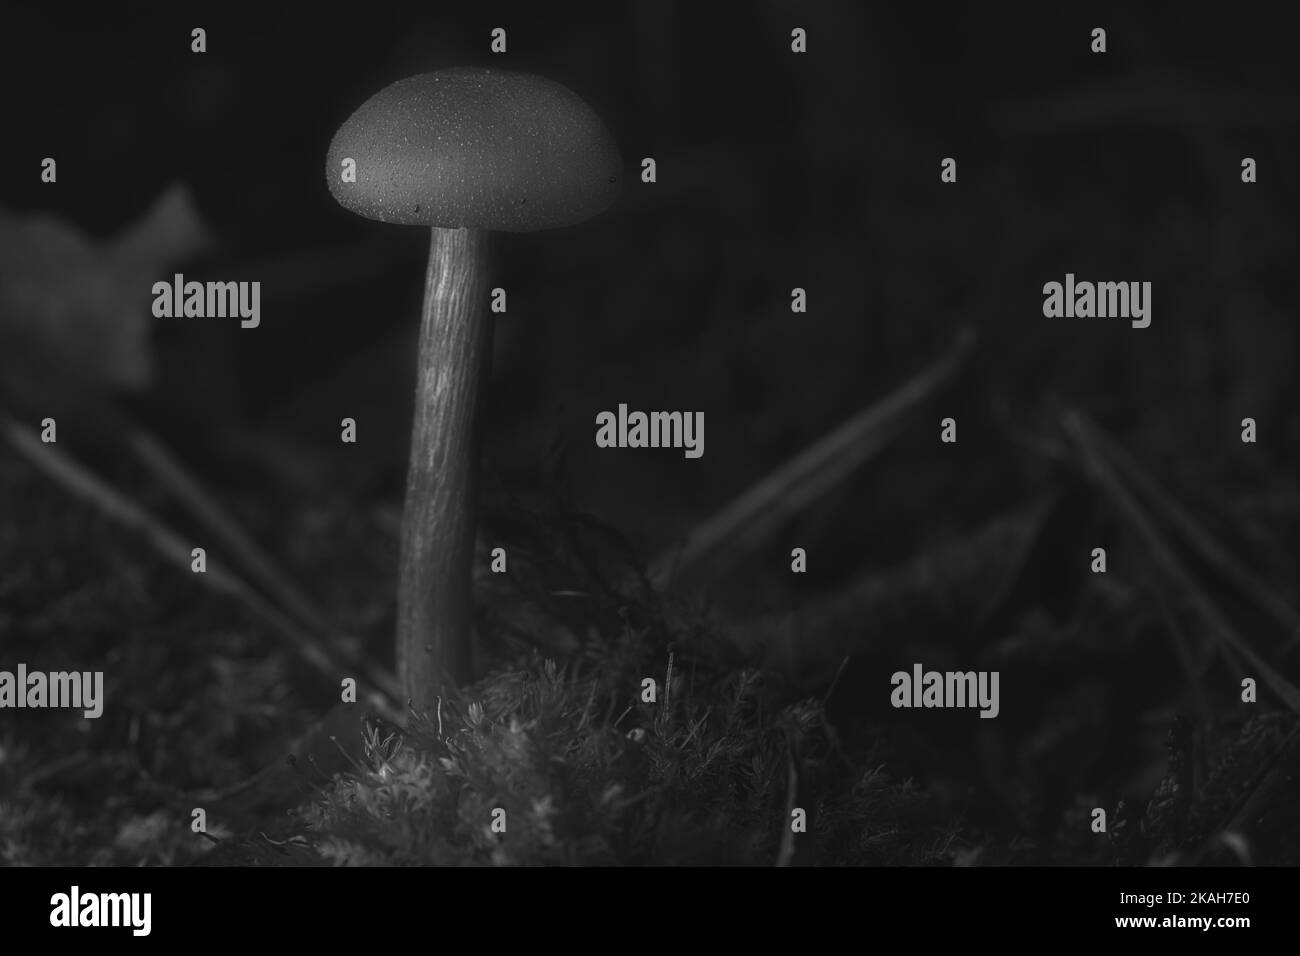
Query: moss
699 777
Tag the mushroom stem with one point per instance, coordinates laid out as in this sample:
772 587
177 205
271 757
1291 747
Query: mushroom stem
435 601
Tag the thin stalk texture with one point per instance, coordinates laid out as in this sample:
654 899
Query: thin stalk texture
435 601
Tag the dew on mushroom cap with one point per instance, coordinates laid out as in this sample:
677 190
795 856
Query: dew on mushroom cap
476 148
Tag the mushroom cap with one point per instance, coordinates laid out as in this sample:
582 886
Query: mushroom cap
476 148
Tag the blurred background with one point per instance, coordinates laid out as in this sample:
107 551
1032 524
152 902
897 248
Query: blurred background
775 170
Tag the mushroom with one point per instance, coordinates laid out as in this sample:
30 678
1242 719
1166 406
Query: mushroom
462 151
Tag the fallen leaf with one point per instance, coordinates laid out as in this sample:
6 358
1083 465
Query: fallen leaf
80 310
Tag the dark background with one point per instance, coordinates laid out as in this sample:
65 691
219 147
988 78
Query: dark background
775 170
